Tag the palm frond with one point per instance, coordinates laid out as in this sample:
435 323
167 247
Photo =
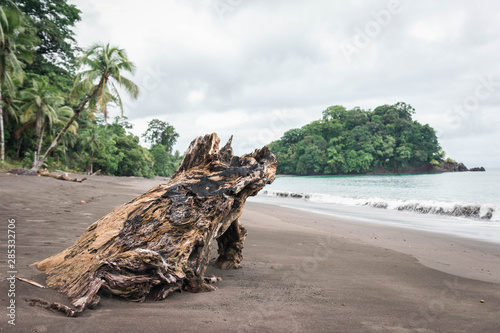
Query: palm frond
118 98
131 88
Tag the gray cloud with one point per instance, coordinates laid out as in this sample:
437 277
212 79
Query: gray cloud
262 67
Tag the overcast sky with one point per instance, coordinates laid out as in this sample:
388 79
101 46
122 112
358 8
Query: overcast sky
256 68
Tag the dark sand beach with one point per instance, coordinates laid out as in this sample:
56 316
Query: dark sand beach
301 272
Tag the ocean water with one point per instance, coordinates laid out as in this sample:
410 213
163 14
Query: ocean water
461 203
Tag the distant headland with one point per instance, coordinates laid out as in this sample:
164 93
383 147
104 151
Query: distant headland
383 141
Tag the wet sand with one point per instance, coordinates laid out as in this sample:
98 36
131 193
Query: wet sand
301 272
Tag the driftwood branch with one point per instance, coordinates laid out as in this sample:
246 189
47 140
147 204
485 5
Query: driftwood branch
36 284
46 173
160 242
53 306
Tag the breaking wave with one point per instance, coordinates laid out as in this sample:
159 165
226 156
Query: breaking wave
458 209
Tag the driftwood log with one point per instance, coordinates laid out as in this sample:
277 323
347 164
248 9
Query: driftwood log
160 242
46 173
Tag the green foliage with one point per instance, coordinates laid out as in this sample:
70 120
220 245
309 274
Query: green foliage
94 88
135 160
358 141
95 138
43 106
113 151
161 160
9 165
15 44
52 22
435 164
161 133
165 164
36 114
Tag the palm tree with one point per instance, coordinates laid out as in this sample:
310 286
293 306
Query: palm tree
43 105
14 47
94 139
67 140
103 66
10 103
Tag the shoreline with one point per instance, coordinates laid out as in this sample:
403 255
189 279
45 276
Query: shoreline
478 229
461 256
468 198
300 271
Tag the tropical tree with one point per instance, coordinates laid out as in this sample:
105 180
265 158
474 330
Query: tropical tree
43 105
94 139
160 132
10 103
55 55
163 162
103 66
136 161
14 47
67 142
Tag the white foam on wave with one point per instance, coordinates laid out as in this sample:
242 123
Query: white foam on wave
459 209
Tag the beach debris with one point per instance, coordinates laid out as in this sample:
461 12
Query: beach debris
82 201
36 284
160 242
46 173
52 306
23 172
482 301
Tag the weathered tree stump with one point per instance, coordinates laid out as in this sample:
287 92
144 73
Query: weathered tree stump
160 242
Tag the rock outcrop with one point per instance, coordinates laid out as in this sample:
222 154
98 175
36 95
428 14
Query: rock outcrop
452 166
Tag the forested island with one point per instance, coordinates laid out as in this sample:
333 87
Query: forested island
56 96
359 141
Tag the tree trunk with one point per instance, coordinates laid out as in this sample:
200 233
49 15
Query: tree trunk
106 116
91 159
160 242
91 163
19 143
37 153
